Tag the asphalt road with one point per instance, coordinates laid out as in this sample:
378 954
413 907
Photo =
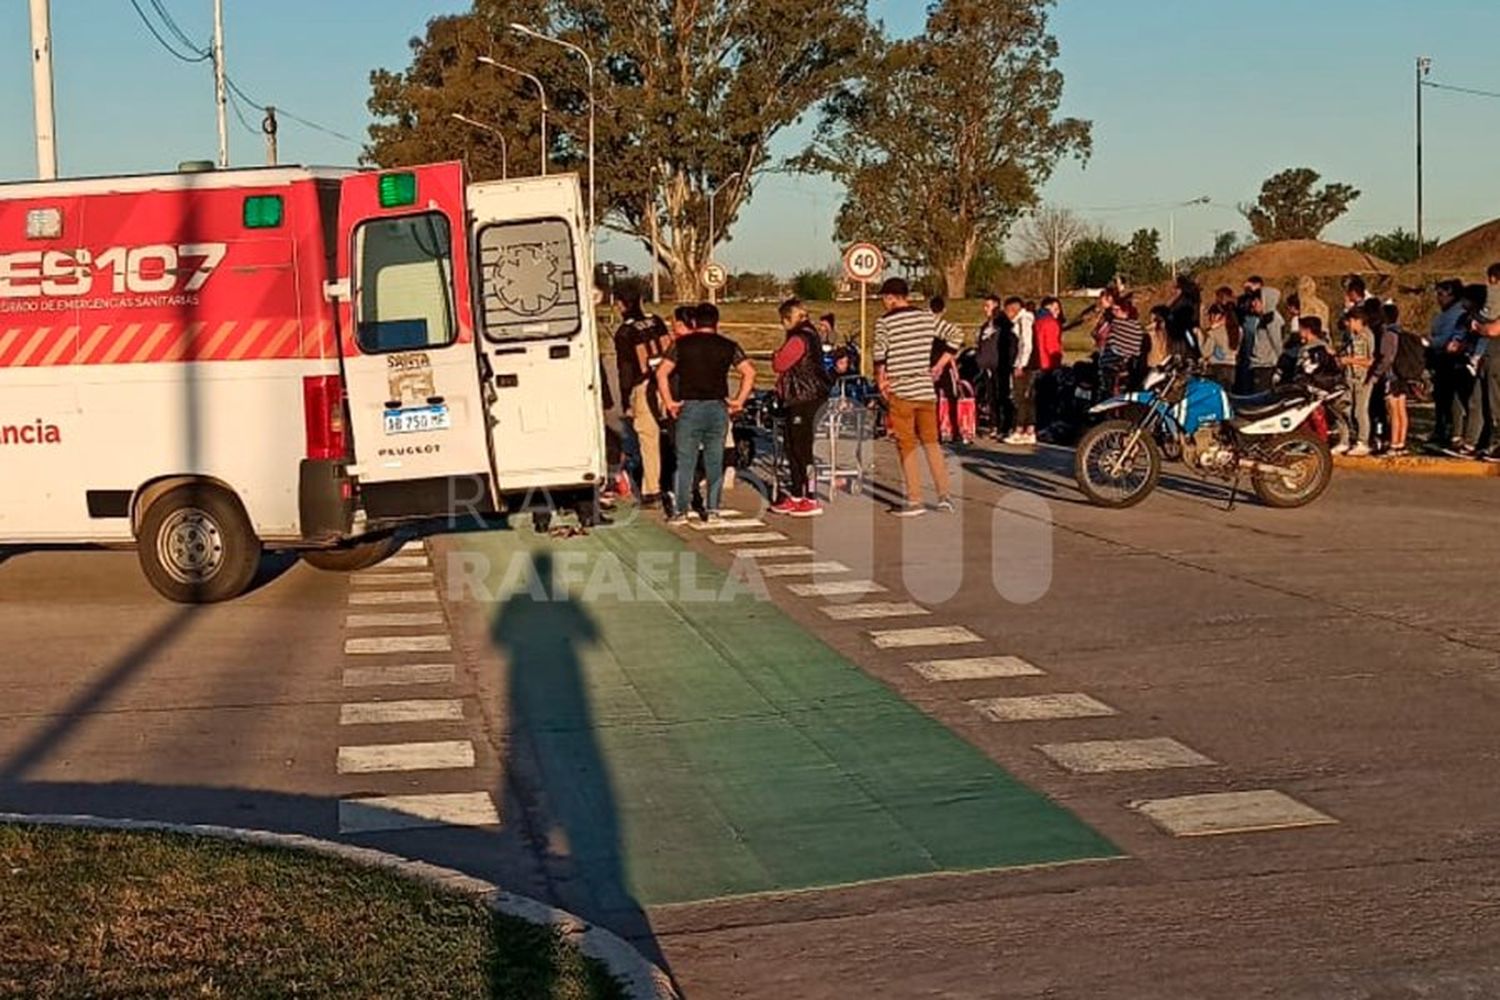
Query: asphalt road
1346 656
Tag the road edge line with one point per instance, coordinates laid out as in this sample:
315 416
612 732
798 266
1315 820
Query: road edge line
642 979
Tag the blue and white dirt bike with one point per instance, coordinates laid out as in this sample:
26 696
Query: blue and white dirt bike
1277 438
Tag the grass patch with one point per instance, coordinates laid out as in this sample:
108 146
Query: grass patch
89 913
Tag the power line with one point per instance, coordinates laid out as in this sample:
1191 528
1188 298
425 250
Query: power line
283 112
239 112
1460 90
196 57
175 29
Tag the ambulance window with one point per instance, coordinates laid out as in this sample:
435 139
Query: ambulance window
404 299
529 281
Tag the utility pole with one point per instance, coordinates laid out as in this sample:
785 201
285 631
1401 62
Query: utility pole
41 86
1057 253
269 127
1424 66
221 95
655 246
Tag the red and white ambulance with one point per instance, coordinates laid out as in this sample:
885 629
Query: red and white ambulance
207 364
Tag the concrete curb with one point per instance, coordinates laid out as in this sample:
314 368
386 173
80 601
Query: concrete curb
1420 465
642 980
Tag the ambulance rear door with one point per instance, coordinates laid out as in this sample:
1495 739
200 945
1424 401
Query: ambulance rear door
416 397
533 268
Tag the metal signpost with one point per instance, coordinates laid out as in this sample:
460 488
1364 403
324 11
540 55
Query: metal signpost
863 262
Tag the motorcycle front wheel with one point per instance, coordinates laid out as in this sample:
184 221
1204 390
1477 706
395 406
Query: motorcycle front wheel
1115 465
1309 468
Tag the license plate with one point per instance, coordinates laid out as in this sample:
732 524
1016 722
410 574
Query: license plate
417 420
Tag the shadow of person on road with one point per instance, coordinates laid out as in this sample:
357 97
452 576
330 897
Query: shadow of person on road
555 764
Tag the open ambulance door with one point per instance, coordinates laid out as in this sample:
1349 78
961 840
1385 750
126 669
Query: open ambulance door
416 397
533 277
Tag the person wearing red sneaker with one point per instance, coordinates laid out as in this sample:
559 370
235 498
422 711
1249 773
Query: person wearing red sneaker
802 382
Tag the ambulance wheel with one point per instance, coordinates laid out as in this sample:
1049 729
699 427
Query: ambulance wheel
353 557
196 545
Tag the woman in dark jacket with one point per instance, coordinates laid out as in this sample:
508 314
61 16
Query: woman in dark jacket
802 382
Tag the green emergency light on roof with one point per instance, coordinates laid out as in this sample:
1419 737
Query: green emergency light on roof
263 211
397 190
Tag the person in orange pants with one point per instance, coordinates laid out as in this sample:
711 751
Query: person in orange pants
905 374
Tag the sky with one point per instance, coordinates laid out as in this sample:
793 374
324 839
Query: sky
1188 98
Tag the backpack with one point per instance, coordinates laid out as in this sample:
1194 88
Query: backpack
1411 357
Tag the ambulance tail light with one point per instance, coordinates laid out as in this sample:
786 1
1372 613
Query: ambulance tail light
323 410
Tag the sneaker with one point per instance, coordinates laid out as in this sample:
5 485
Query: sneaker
1342 449
677 520
650 501
807 508
945 505
908 509
1360 450
713 517
786 505
1397 451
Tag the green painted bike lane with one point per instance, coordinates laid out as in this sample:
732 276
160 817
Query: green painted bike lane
695 743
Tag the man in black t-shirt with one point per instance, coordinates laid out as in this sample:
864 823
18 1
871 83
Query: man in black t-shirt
701 362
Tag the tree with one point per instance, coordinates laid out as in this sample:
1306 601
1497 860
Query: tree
753 285
944 143
813 286
1140 260
1048 234
985 269
1094 261
1289 207
1398 246
690 94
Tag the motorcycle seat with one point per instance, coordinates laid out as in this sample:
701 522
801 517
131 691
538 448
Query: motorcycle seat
1267 404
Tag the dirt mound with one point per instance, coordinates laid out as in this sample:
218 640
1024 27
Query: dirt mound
1465 256
1289 260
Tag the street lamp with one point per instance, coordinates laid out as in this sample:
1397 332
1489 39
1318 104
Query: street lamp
533 33
540 90
1424 67
492 130
1172 229
712 236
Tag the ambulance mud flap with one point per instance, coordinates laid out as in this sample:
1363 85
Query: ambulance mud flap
441 496
325 499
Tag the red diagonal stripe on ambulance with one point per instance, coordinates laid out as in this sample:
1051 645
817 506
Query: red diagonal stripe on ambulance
24 347
149 346
278 347
61 348
86 351
211 347
118 347
182 347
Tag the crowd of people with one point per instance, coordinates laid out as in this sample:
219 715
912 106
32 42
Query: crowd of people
678 406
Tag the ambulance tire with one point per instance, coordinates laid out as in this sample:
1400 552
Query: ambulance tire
196 545
355 557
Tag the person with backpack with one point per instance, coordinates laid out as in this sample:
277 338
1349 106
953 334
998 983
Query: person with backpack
640 343
1400 363
802 383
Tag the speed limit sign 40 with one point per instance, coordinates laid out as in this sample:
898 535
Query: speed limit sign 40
864 262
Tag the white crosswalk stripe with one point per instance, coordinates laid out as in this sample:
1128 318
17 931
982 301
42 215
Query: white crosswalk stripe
1221 813
440 755
1041 707
908 638
417 812
737 525
402 562
373 598
752 538
392 580
975 668
398 644
1107 756
372 713
836 588
399 675
781 552
864 612
395 619
803 569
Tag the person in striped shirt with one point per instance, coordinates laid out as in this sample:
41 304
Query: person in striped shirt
905 374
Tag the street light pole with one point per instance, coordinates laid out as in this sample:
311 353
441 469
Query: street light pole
1424 66
492 130
221 95
589 62
713 197
1172 229
41 88
540 90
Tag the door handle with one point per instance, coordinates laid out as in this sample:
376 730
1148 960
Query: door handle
507 381
559 352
